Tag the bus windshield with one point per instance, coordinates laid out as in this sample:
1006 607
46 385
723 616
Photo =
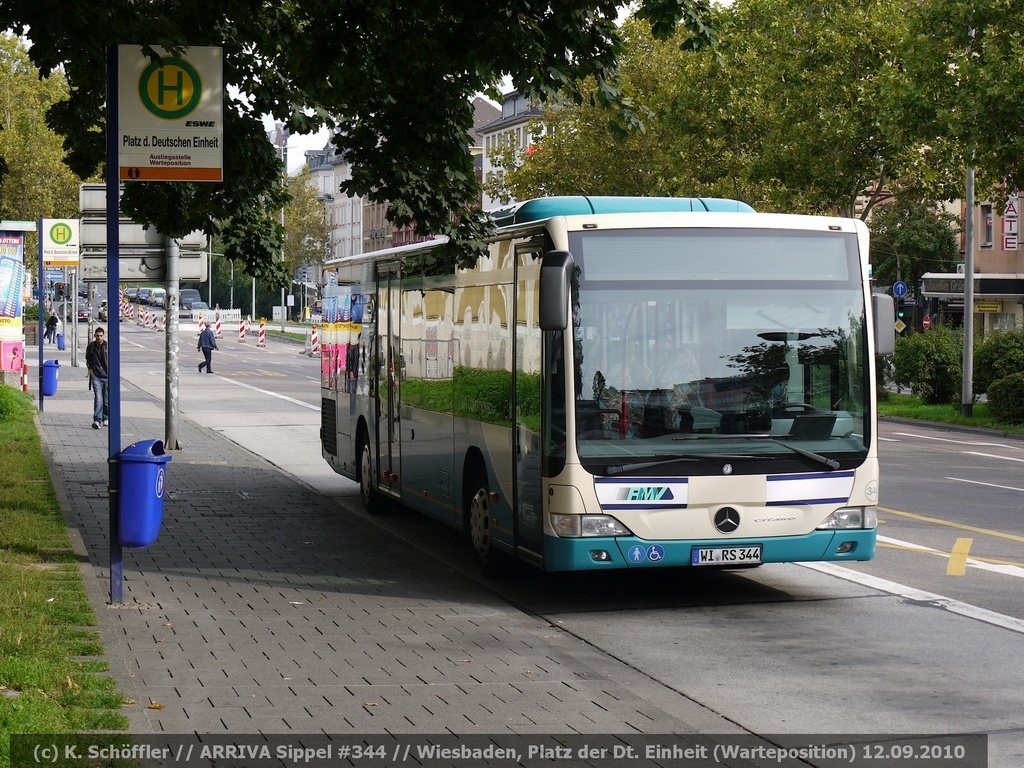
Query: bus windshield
704 344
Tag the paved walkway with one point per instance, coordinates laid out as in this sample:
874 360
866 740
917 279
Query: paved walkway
266 607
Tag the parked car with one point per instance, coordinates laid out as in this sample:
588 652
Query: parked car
200 306
102 314
84 313
157 297
143 295
132 294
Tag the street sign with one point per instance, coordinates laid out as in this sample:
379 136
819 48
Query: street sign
60 242
899 288
926 322
170 114
900 326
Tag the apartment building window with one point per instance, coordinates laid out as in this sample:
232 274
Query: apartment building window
987 225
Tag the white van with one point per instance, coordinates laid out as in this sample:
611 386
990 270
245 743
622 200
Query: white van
157 297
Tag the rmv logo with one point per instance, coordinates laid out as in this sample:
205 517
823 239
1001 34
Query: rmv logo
646 493
170 88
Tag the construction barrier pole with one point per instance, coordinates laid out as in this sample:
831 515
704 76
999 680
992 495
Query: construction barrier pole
241 330
262 342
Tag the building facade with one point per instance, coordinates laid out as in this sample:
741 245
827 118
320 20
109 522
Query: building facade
518 113
998 272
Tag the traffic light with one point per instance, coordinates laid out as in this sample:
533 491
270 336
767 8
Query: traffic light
901 309
60 290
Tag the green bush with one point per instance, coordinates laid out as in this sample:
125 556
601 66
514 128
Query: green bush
931 364
998 355
1006 398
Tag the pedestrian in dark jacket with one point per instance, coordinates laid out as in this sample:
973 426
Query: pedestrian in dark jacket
207 343
51 328
97 361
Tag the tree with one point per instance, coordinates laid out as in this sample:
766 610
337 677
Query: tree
964 75
37 183
800 110
401 112
909 239
305 224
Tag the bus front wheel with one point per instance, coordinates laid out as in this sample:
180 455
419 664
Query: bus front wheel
372 500
493 564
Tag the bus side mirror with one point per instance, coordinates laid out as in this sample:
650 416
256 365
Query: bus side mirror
885 323
555 272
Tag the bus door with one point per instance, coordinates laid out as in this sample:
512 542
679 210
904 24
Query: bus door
526 432
389 377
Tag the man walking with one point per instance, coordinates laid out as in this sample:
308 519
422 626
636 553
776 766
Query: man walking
207 343
97 362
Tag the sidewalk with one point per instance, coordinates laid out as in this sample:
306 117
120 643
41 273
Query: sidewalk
267 607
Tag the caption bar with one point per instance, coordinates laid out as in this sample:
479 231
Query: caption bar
435 751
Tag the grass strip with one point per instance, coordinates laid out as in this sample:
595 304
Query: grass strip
52 679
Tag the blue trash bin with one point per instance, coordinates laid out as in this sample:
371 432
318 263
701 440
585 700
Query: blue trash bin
50 378
60 341
141 506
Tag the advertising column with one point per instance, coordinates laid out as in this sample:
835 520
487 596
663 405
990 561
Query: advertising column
12 276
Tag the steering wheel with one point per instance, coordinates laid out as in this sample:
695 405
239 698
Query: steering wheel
796 408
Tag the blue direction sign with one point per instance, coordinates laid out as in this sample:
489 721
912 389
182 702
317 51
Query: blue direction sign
899 288
55 275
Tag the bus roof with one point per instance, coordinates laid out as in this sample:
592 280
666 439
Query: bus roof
547 207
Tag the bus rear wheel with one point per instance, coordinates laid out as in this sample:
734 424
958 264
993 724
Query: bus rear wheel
371 498
493 564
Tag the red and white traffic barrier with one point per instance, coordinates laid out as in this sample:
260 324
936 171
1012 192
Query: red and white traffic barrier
263 333
216 326
24 377
314 348
156 327
241 330
202 323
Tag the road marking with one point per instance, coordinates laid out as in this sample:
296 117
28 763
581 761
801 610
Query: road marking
961 526
1002 567
987 485
919 596
958 557
991 456
272 394
958 442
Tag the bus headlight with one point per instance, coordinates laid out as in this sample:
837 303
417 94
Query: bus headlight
851 517
581 526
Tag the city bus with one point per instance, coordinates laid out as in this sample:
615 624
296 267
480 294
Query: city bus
616 383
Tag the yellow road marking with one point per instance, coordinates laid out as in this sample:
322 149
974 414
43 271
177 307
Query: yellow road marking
939 553
958 557
961 526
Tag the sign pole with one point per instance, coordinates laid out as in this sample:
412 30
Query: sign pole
113 330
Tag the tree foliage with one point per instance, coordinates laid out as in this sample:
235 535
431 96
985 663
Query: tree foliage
400 111
37 184
801 108
909 239
305 224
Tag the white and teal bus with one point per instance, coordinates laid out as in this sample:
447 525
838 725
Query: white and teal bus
617 383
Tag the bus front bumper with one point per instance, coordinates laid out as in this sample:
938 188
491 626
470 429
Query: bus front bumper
570 554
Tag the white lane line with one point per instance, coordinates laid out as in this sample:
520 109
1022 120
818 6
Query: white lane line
991 456
272 394
958 442
1002 569
987 485
920 596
